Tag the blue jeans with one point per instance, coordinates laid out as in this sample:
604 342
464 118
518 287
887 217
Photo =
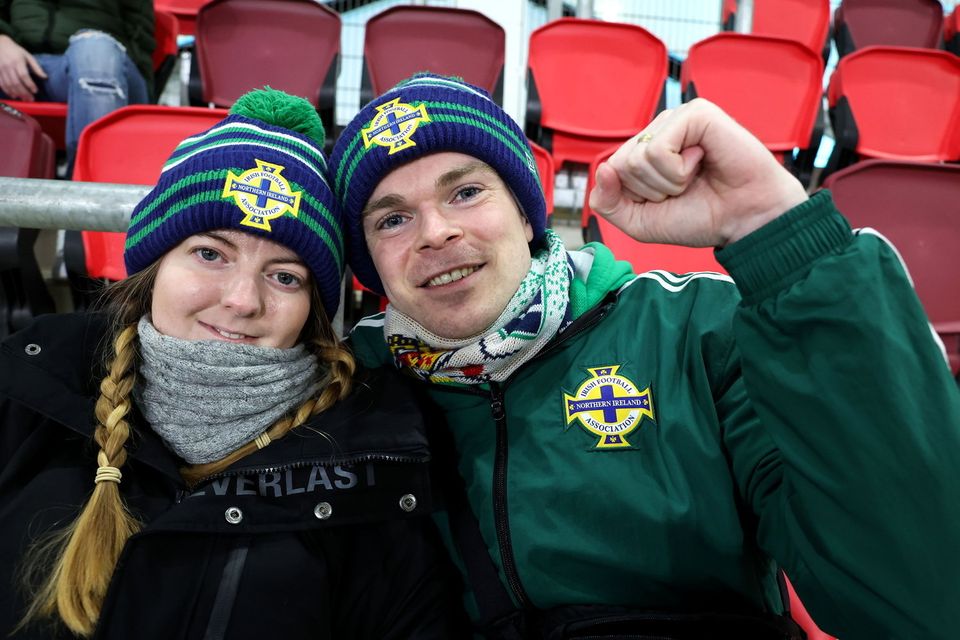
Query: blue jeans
94 76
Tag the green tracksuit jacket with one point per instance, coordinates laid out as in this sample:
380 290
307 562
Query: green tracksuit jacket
687 435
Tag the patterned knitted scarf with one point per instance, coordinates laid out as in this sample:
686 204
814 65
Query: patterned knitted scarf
536 313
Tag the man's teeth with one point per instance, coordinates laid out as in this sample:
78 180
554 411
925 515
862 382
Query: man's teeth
232 336
452 276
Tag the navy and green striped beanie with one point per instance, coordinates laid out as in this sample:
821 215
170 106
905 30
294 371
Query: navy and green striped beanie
260 170
422 115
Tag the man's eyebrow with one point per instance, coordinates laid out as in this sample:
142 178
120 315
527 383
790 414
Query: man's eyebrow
388 201
454 175
392 200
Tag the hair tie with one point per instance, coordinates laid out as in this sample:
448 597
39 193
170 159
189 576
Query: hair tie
107 474
262 440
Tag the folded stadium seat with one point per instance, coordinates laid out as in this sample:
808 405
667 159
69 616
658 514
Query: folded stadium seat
166 28
914 205
185 12
642 255
951 31
896 103
901 23
728 15
103 155
296 45
403 40
772 86
52 116
547 173
806 21
799 614
591 84
28 154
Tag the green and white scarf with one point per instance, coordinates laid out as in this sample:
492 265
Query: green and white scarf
534 315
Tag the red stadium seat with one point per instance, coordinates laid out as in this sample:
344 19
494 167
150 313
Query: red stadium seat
547 173
591 84
900 23
403 40
806 21
297 44
728 15
28 153
165 53
897 103
52 116
772 86
185 12
917 207
951 31
799 614
643 256
103 155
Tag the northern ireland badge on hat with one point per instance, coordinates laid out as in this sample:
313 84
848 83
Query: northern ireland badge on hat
393 126
262 193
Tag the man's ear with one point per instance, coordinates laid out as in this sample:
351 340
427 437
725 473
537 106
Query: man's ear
527 228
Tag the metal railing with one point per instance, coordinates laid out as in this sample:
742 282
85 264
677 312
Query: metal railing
31 203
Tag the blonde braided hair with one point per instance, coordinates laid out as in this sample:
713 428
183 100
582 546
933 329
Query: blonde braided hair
86 551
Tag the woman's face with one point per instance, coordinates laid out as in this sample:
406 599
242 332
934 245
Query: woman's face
232 286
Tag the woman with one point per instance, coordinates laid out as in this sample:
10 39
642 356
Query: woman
241 486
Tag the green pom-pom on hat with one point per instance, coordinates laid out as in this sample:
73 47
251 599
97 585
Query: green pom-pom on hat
283 110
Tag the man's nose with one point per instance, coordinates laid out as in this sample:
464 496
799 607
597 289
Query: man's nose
437 228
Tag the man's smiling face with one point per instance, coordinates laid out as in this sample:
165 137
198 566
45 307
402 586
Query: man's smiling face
449 242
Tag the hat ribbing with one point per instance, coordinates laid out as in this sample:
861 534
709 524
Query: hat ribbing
249 174
422 115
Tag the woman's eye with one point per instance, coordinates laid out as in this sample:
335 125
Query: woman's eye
208 254
390 221
288 279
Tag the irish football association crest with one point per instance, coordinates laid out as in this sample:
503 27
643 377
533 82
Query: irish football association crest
262 194
394 125
609 406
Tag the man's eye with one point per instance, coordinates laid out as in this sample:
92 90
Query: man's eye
466 193
390 221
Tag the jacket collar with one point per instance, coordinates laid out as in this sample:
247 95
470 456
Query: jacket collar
54 367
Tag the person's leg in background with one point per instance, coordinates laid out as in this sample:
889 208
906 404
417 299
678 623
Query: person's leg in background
94 76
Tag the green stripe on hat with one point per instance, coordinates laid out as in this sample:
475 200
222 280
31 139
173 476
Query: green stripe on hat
510 140
194 178
248 134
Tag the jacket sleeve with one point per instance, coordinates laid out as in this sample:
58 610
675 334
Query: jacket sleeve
138 20
5 27
857 495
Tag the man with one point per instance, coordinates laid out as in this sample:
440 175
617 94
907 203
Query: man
644 452
95 55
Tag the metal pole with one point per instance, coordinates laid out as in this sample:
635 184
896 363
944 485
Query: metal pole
744 22
554 10
64 204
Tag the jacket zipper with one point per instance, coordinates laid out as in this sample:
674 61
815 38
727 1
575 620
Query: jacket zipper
326 462
501 518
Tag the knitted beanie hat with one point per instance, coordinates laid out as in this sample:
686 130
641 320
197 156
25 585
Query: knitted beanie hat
426 114
260 170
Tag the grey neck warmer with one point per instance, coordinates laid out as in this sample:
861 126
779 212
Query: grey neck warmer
206 398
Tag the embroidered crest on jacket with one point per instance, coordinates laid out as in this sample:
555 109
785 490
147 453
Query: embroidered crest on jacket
608 405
